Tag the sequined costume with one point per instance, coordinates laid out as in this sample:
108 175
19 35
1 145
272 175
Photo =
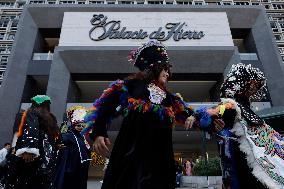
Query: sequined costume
74 159
142 156
33 139
251 151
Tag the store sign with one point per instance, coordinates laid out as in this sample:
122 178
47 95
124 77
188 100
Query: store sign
133 28
113 30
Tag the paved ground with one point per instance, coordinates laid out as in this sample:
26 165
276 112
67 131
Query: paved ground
93 184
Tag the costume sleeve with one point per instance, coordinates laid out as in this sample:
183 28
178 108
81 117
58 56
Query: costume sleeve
181 109
104 109
203 119
30 137
227 111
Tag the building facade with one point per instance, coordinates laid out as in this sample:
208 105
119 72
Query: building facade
64 51
10 11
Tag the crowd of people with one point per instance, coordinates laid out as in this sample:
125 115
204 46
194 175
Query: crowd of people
142 156
43 156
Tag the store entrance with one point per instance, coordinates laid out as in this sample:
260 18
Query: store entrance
188 145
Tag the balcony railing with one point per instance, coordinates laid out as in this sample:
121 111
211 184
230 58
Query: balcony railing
248 56
43 56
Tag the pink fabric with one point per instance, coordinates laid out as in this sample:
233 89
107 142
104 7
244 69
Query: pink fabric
188 168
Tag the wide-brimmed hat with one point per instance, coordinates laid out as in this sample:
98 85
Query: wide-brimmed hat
152 52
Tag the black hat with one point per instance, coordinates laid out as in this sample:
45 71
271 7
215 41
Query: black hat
152 52
238 79
237 82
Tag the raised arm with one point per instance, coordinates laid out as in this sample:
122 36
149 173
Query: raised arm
104 109
214 119
181 110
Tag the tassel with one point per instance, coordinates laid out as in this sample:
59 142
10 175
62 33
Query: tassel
21 127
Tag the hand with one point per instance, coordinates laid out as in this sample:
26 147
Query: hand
213 111
28 157
189 122
60 146
101 145
219 124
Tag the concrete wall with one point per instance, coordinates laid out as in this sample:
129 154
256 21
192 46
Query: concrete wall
69 60
12 88
201 182
214 25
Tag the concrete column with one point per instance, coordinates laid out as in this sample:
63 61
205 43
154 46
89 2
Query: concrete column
215 91
235 59
12 87
270 58
74 93
58 86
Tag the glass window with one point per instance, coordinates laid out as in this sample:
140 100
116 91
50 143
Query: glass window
96 2
125 2
11 37
184 2
277 37
4 58
155 2
267 6
2 35
198 3
3 65
5 50
2 74
227 3
280 50
241 3
8 17
2 49
14 23
4 22
67 2
281 24
37 2
6 4
278 6
274 26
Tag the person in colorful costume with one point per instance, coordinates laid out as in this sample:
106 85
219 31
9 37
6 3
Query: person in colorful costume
74 157
142 156
252 152
36 148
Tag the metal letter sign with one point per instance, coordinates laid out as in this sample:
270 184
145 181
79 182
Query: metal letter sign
102 29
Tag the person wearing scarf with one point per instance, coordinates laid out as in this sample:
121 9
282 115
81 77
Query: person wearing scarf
142 155
36 148
252 152
74 157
